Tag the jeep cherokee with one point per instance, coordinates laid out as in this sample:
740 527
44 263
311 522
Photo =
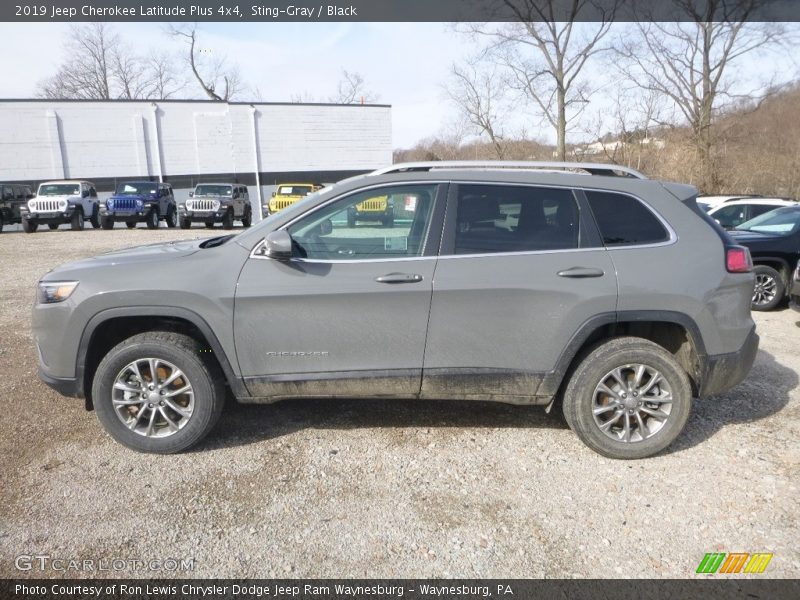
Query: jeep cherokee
609 296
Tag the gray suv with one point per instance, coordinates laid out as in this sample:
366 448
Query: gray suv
579 286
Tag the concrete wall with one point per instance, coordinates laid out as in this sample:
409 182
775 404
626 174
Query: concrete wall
184 142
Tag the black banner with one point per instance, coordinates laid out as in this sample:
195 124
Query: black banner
399 10
408 589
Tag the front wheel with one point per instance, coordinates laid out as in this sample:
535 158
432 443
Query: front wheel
769 288
29 227
52 226
185 223
247 217
227 220
157 392
107 222
130 224
95 218
628 398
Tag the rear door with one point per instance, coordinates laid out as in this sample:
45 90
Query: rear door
521 270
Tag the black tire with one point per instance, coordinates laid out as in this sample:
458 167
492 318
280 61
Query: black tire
77 222
185 223
29 227
351 220
95 218
172 217
769 289
130 224
247 217
1 222
151 220
227 220
209 224
106 222
388 221
596 366
200 371
52 226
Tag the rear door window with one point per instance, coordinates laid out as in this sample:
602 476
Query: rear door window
506 218
625 221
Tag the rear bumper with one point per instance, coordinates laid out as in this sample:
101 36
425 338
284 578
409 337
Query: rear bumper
722 372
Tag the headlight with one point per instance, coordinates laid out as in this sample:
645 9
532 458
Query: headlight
139 204
62 205
217 204
110 204
52 292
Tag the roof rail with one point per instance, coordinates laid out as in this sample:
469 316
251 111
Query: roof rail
591 168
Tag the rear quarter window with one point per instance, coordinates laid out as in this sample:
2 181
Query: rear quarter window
624 220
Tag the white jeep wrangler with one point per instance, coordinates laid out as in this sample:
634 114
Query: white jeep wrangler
58 202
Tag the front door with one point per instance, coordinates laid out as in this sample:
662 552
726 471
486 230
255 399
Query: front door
522 269
348 314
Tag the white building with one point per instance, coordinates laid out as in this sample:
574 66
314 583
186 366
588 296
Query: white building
184 142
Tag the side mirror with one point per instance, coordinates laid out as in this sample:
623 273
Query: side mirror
191 194
326 227
278 245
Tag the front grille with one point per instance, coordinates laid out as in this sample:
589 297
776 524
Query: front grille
45 206
283 203
201 205
374 204
124 204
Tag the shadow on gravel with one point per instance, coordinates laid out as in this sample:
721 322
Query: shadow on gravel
243 424
762 394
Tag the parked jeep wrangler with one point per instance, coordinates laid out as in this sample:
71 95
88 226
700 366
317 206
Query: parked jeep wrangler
378 208
287 194
136 201
58 202
12 197
610 297
211 203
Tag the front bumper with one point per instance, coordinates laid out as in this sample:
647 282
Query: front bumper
203 216
721 372
61 216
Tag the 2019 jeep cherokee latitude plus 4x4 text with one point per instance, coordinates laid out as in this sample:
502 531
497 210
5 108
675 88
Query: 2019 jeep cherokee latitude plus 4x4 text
611 296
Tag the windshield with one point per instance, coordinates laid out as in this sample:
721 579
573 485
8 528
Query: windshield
781 221
213 190
295 190
59 189
137 189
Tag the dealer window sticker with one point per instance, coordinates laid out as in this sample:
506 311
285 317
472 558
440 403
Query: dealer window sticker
395 243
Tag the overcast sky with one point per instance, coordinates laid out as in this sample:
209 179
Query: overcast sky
406 64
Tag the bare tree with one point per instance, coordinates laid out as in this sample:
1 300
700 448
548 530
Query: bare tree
690 63
218 79
481 99
163 79
88 72
545 51
352 90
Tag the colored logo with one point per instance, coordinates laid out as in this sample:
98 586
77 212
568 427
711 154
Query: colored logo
736 562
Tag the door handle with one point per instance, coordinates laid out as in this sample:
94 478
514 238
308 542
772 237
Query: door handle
399 278
581 272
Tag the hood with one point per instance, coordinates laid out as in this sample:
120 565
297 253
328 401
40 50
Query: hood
61 197
152 252
752 236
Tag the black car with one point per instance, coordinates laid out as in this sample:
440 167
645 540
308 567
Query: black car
774 242
12 197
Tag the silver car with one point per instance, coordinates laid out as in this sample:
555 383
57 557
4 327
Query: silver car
583 288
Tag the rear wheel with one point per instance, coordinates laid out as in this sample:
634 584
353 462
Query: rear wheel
29 227
209 224
77 223
1 222
172 216
227 220
130 224
769 288
52 226
185 223
156 392
628 398
95 218
152 219
107 222
247 217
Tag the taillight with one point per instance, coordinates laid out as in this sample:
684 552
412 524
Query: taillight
737 259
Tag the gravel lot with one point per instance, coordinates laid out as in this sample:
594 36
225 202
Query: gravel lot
388 489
